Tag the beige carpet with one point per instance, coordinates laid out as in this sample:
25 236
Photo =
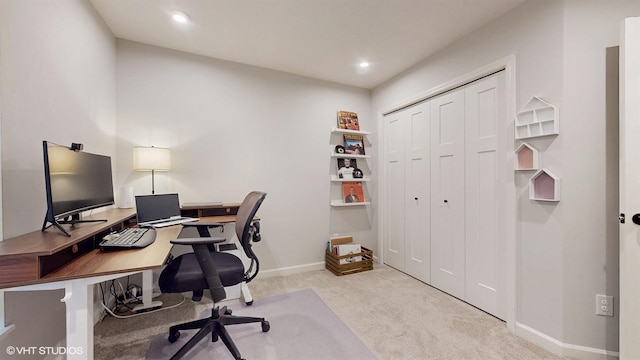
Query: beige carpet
396 316
301 325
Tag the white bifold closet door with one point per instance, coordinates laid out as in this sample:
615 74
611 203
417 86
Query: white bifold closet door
486 172
447 193
468 181
446 169
407 245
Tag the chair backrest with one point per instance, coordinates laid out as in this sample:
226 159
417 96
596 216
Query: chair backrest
244 230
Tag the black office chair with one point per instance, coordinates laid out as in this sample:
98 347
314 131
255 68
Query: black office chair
206 269
253 235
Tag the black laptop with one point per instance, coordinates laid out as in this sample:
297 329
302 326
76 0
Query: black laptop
159 210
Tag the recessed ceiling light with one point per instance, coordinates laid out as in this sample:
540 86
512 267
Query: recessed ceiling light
364 64
179 16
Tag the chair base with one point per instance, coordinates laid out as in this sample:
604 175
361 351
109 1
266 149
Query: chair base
214 325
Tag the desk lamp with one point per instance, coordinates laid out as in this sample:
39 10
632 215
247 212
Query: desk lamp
151 159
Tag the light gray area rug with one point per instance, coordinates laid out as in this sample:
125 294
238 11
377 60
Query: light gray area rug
302 327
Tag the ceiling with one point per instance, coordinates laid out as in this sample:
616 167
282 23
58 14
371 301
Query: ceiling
321 39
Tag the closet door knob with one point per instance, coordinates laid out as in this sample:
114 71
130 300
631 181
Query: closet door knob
415 198
446 201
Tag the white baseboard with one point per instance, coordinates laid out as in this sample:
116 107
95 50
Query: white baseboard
292 270
561 349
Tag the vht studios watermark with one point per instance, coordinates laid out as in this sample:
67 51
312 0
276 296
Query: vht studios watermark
44 350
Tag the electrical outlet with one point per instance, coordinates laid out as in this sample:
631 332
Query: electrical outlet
604 305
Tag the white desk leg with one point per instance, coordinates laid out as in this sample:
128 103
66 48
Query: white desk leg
147 293
79 301
4 329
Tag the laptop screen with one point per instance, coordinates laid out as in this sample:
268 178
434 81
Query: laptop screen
156 207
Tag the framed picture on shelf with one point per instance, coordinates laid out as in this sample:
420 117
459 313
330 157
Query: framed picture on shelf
354 144
346 167
352 192
348 120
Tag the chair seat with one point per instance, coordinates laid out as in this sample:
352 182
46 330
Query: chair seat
184 272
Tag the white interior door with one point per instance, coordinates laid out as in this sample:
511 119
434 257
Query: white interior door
485 181
447 193
629 189
417 196
394 233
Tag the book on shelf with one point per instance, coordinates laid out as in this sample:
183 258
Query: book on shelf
354 144
352 192
346 167
348 120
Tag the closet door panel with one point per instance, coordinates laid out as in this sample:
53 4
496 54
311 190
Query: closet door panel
394 227
417 234
447 193
485 171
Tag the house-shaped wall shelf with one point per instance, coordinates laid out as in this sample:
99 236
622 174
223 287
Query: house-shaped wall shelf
537 118
544 186
526 157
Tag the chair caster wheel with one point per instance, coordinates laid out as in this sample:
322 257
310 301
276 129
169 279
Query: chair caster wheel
265 326
249 303
173 337
228 312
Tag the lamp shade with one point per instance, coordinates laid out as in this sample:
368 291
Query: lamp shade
151 158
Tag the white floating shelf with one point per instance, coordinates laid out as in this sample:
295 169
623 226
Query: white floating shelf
350 156
537 118
526 158
346 131
544 186
336 178
340 203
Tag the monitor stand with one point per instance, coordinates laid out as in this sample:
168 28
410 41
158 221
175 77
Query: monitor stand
72 219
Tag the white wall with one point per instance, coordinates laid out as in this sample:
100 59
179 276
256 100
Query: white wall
57 83
590 117
566 251
233 129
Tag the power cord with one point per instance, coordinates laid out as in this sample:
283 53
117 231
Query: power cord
142 313
133 293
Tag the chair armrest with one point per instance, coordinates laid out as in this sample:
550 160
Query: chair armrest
202 223
197 241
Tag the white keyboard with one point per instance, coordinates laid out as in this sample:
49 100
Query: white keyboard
160 224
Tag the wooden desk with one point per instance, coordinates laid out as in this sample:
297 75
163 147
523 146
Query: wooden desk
48 260
28 258
202 210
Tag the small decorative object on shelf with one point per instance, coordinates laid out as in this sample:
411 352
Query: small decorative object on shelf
544 186
357 173
348 120
537 118
354 144
352 261
339 149
526 157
